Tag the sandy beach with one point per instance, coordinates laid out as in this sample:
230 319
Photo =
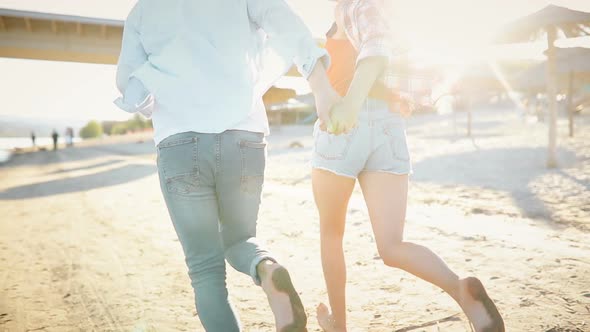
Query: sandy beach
86 243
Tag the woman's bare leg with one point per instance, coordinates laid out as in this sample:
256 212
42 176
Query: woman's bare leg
386 197
332 193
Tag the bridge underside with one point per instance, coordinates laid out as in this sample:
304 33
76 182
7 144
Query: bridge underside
43 36
53 37
39 36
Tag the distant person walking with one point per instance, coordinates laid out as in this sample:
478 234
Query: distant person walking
34 139
55 137
69 136
199 67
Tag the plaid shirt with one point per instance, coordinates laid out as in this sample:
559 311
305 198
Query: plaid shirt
365 26
367 29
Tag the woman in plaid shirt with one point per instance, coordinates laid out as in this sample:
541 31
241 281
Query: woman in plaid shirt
364 138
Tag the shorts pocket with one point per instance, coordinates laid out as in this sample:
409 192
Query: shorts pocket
395 133
253 155
178 165
332 147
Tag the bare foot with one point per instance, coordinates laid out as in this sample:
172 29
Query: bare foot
326 320
283 298
478 306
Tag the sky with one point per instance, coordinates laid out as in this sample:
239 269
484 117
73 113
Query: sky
440 31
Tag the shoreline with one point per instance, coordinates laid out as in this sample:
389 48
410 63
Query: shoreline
128 138
5 156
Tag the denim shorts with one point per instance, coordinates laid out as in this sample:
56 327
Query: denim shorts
377 144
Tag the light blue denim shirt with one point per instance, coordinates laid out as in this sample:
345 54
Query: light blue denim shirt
203 65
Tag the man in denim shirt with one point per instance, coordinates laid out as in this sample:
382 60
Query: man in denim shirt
199 69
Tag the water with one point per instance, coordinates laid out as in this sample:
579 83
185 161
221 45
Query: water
4 155
10 143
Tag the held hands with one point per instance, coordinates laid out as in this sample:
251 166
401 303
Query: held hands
344 117
325 102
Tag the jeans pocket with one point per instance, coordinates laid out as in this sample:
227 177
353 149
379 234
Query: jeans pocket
178 165
333 147
396 137
253 155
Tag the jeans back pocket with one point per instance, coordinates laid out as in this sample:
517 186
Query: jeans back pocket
395 133
178 165
332 147
253 155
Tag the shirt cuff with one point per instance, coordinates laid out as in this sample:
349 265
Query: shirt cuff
136 98
377 47
306 64
373 53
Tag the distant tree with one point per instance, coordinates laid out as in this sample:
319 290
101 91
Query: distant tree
92 130
107 126
119 129
137 123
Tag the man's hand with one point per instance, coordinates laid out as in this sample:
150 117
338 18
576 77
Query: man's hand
325 96
325 102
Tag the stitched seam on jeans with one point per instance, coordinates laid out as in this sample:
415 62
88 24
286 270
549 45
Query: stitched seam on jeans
245 178
218 154
173 189
344 153
195 174
243 169
183 141
253 145
178 142
393 140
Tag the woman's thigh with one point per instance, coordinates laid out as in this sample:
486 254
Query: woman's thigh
386 195
331 193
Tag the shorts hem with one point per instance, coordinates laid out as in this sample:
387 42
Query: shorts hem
410 172
334 172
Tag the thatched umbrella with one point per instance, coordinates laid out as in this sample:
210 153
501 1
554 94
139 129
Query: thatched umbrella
569 61
475 81
278 95
481 80
549 21
572 64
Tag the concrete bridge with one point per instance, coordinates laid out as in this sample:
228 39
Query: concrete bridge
46 36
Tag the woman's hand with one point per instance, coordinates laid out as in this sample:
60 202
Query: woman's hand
344 117
325 102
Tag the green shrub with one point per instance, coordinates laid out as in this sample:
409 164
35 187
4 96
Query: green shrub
92 130
119 129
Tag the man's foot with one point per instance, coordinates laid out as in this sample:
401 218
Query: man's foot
326 320
283 298
479 307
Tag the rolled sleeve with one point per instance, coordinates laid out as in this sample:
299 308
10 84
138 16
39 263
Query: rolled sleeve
288 33
374 33
306 62
135 97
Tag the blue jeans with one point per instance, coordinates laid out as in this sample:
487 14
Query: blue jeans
212 185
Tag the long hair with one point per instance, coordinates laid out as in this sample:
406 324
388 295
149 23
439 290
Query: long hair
332 30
